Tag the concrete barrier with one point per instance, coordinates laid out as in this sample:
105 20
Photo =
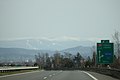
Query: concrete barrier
9 69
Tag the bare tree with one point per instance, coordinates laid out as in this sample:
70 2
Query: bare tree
38 60
94 56
116 37
94 59
57 59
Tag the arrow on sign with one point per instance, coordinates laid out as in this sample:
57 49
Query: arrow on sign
100 56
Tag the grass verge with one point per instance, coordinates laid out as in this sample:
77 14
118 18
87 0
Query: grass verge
15 72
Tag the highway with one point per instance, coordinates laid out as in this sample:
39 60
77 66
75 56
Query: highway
57 75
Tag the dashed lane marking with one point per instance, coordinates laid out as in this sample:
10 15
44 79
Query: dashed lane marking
50 75
53 74
45 78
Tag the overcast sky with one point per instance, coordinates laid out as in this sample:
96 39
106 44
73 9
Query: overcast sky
59 19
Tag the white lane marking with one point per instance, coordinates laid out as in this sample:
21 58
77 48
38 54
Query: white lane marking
45 78
53 74
90 75
19 74
50 75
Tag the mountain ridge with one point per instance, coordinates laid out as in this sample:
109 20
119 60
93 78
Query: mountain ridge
43 44
14 54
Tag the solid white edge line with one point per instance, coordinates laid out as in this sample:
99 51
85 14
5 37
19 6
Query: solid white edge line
90 75
19 74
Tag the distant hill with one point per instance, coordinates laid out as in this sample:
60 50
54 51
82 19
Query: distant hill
20 54
25 49
84 51
17 54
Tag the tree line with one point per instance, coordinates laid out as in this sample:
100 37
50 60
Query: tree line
66 60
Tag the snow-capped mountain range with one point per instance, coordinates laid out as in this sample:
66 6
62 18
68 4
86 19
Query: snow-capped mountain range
28 48
43 44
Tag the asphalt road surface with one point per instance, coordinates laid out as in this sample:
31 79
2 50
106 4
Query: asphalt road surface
57 75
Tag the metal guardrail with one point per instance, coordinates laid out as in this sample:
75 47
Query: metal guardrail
9 69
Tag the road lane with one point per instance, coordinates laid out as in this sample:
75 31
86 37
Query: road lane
80 75
71 75
30 76
59 75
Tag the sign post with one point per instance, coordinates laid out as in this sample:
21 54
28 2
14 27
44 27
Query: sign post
105 52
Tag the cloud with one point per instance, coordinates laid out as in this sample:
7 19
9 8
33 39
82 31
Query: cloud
98 39
71 38
63 38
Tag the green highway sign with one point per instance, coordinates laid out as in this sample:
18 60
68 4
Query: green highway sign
105 52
